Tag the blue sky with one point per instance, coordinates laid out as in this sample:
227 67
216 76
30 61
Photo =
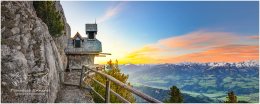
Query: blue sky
125 27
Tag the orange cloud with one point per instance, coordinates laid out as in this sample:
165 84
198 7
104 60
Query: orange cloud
200 46
229 53
199 39
254 37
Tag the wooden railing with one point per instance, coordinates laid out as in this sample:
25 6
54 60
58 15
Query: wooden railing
85 73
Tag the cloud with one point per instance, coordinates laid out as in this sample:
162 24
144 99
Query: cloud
254 37
199 39
111 12
198 46
142 55
228 53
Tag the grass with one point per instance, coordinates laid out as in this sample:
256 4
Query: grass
222 96
137 84
215 95
172 77
157 81
227 79
207 83
253 98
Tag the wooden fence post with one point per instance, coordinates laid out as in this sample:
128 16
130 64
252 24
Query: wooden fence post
107 99
81 75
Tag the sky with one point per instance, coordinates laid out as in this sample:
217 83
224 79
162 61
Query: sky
142 32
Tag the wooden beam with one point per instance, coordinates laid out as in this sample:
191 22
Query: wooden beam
100 55
69 84
105 53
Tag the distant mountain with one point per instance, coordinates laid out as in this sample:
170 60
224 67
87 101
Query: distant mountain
212 80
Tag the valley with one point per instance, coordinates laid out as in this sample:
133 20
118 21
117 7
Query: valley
199 82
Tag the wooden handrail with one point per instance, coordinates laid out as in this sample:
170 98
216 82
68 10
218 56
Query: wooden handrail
112 91
110 78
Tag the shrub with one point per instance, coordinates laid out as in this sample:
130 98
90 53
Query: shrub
113 71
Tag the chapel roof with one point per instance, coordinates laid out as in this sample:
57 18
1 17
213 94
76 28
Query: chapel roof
77 35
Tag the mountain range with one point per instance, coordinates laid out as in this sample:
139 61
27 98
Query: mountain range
208 82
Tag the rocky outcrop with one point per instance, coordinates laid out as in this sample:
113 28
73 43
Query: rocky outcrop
62 41
31 59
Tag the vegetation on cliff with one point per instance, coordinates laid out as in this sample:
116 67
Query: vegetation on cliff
46 10
113 71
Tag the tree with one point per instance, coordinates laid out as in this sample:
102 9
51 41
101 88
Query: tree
231 98
113 71
175 96
46 10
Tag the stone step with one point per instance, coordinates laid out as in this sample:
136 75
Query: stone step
73 94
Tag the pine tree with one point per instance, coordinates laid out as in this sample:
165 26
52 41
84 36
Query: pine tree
231 98
113 71
46 10
175 96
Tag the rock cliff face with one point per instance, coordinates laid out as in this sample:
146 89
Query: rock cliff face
31 59
76 61
62 41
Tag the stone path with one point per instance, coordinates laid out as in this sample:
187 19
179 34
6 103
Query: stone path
70 91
